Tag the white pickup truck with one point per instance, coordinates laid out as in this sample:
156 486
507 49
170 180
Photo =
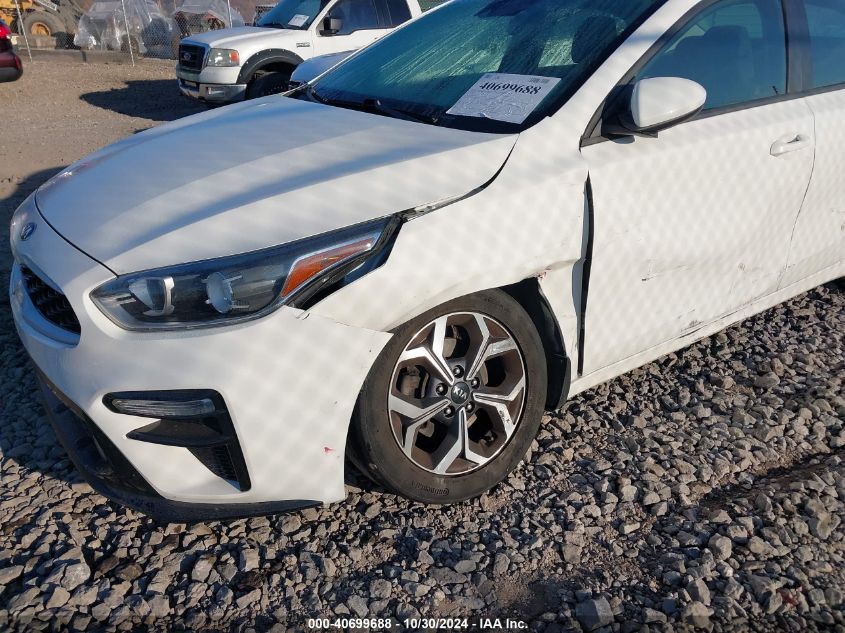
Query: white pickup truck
247 62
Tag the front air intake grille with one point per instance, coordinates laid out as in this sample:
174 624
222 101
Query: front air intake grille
52 304
218 460
191 57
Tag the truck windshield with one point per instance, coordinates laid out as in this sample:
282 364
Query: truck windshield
484 65
293 14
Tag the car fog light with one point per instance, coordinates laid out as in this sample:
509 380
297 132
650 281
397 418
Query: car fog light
164 408
194 419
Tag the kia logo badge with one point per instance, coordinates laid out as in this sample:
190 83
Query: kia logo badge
27 231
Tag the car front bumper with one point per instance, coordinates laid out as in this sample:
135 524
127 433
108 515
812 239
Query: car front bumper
213 93
212 84
289 382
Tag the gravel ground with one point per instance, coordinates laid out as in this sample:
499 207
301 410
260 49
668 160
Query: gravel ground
704 491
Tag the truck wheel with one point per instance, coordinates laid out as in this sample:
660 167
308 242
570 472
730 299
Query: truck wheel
266 84
453 402
41 23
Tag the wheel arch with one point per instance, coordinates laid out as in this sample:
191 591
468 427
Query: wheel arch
274 59
530 296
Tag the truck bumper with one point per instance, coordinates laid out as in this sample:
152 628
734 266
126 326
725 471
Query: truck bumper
213 93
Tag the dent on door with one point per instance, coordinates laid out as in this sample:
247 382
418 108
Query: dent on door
690 226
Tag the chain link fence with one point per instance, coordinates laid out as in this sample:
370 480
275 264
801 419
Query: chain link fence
136 28
133 28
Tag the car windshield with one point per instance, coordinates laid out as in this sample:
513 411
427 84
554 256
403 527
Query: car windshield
293 14
484 65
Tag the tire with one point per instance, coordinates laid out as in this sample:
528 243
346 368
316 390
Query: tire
43 23
434 461
266 84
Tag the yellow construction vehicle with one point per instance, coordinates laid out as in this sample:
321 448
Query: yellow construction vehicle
48 18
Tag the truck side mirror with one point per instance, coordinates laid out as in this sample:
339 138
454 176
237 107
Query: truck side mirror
332 25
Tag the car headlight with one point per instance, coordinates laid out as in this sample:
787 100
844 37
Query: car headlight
243 287
223 57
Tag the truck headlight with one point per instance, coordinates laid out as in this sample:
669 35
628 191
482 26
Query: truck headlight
223 57
243 287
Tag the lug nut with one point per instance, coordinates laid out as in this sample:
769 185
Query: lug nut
441 389
458 371
449 411
475 382
469 407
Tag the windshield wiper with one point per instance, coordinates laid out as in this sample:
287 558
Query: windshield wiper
377 106
370 105
274 25
311 93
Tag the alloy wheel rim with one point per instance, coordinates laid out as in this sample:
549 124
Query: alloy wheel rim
457 393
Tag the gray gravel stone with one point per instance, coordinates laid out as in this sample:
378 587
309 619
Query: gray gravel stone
698 615
10 574
59 598
249 559
380 589
720 546
358 606
594 614
698 591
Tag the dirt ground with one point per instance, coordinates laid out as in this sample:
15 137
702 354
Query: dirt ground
60 111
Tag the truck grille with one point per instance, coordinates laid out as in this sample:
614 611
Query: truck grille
191 56
52 305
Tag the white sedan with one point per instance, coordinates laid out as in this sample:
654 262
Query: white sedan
408 260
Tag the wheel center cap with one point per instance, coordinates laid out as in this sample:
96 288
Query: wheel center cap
460 393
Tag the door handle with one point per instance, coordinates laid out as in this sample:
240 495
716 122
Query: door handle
791 143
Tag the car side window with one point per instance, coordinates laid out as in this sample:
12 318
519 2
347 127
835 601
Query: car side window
736 49
357 15
826 23
397 12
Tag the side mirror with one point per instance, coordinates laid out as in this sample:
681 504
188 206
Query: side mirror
660 103
332 26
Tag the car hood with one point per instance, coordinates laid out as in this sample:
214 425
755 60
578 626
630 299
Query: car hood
316 66
231 38
257 174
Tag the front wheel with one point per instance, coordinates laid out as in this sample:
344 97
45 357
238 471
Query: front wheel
266 84
453 402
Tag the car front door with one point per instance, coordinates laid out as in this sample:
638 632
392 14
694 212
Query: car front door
361 25
694 224
819 240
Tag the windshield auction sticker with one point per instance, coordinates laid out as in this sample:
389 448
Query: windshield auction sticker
298 20
503 97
